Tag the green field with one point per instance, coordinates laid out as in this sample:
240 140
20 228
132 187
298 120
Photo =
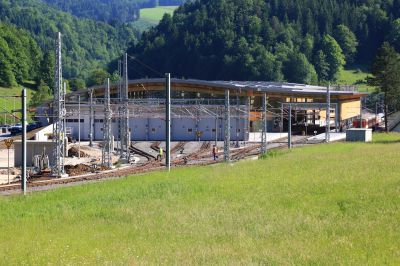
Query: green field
335 204
8 103
355 75
151 16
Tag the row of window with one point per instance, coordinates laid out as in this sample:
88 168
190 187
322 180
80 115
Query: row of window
74 120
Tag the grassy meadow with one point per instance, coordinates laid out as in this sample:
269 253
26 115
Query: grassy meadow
154 15
150 17
319 205
355 75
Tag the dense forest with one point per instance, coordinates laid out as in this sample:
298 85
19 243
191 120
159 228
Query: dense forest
87 44
294 40
19 56
110 11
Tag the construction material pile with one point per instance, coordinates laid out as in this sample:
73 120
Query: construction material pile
79 169
74 152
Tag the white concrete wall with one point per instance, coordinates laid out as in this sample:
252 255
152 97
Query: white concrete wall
43 134
33 148
182 129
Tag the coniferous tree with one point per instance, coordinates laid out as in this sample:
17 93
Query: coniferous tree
321 66
385 72
394 36
47 70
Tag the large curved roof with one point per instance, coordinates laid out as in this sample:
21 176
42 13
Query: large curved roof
242 87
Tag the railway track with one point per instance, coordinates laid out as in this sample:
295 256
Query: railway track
180 146
198 157
142 153
155 146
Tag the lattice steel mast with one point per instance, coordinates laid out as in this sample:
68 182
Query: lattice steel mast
107 138
59 113
125 154
227 128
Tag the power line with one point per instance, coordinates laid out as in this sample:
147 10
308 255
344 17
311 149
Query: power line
145 65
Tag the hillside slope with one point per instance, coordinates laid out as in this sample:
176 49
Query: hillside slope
110 11
87 44
289 40
320 205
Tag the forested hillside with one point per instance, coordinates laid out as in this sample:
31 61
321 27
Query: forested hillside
19 56
110 11
294 40
87 44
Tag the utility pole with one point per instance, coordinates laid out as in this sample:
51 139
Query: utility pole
328 114
290 127
337 118
237 119
79 126
119 101
376 116
264 125
248 103
59 113
5 113
361 104
106 154
14 109
91 117
168 120
216 130
23 174
227 128
8 143
281 123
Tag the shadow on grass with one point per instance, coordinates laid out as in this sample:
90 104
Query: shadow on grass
386 138
273 154
386 141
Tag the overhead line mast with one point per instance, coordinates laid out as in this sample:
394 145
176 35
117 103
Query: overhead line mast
125 136
59 147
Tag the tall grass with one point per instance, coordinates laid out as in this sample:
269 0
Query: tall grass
320 205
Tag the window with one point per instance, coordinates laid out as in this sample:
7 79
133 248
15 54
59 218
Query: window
190 130
153 130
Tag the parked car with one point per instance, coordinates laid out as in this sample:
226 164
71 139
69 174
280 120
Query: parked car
15 129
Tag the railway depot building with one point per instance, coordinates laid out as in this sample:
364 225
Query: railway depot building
199 108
